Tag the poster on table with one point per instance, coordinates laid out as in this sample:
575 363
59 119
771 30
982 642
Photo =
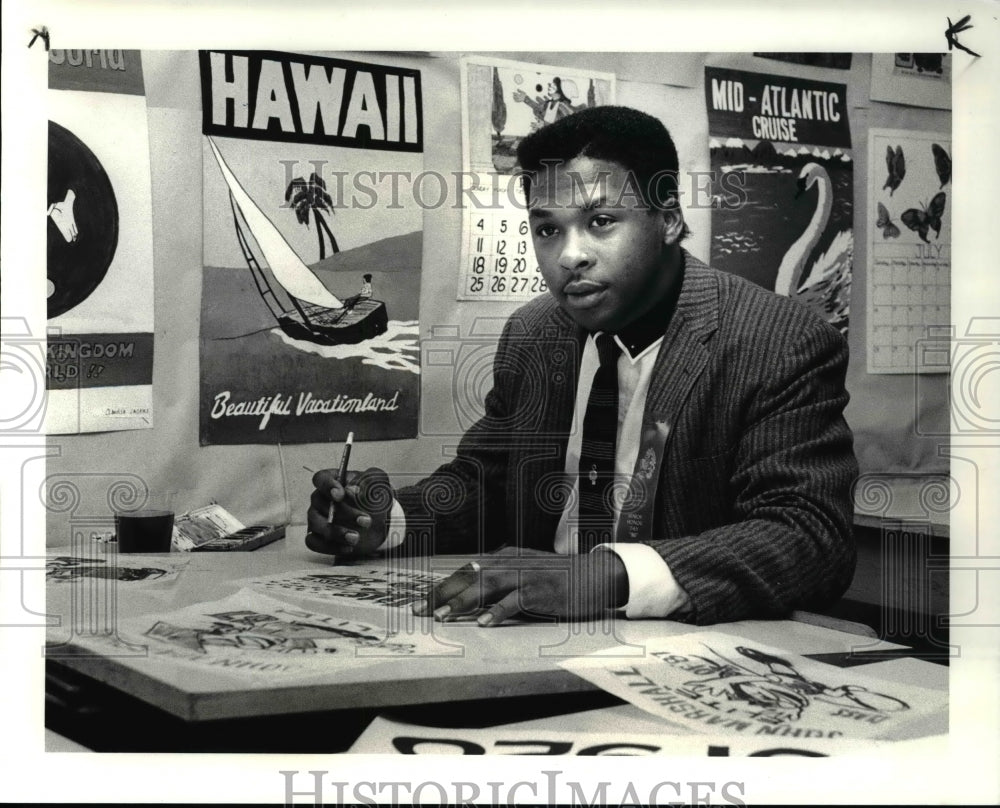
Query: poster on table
909 251
89 588
721 684
914 79
357 585
251 636
312 248
68 565
385 736
99 245
783 186
502 102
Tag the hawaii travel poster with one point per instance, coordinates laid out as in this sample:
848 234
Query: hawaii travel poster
783 186
312 249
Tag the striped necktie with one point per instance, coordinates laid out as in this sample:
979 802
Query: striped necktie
597 453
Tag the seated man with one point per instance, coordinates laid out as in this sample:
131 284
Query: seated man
660 437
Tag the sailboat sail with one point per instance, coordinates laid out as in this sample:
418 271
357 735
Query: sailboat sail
286 266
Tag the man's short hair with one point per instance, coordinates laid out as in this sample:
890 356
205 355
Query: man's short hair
635 140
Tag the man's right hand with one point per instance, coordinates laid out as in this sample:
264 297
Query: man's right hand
360 512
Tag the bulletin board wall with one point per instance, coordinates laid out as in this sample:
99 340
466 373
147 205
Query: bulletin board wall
898 420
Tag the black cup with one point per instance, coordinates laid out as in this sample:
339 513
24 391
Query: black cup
144 531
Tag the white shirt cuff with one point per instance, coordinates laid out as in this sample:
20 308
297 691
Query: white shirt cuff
397 528
652 589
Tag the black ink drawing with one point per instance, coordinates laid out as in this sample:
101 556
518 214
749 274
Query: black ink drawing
896 163
82 221
926 217
942 163
248 630
887 226
312 197
379 588
774 692
71 568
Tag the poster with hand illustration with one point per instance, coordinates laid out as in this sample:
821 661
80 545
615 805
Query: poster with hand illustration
783 186
99 245
312 248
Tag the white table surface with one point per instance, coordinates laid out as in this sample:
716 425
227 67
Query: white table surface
509 660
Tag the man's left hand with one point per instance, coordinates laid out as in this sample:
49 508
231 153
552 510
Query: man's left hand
513 582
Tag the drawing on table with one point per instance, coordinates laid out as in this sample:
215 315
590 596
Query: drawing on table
257 631
365 586
775 692
72 568
712 682
249 634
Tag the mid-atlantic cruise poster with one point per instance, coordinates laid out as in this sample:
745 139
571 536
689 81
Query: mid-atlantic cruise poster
99 245
312 248
783 186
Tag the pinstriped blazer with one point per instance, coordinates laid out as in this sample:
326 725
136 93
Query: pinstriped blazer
753 508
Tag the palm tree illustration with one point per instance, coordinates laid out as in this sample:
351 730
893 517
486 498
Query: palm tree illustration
312 196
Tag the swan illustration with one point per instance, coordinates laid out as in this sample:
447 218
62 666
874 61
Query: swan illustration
827 289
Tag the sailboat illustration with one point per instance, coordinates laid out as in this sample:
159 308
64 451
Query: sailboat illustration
312 313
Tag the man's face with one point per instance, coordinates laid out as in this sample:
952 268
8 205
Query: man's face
603 254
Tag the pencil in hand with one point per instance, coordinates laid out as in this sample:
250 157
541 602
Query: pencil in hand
345 459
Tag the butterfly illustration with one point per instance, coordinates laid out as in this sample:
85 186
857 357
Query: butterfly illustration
889 229
896 164
942 164
929 218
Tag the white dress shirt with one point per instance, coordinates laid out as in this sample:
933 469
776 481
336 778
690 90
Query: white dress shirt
653 591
